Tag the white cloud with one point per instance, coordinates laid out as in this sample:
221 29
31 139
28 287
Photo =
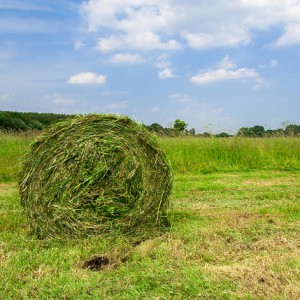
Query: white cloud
79 45
227 70
273 63
181 98
155 109
144 41
227 63
62 101
157 24
127 58
87 78
117 105
163 61
166 73
222 37
259 83
109 44
165 65
59 100
125 15
291 35
150 41
223 74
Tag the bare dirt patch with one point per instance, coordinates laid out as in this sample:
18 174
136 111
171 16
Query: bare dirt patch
96 263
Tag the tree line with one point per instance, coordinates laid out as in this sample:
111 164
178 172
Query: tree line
23 121
291 130
180 129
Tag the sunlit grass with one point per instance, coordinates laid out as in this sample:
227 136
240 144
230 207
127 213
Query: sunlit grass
234 235
189 155
12 148
208 155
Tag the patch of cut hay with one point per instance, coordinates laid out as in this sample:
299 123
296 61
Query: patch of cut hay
6 189
256 279
94 174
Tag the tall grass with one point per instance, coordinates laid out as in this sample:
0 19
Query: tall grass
12 148
207 155
187 155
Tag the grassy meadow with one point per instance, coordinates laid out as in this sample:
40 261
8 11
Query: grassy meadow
235 231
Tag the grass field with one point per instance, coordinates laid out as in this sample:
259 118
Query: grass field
235 231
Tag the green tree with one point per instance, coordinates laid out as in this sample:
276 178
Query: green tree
222 135
19 124
292 130
192 131
34 124
6 121
257 131
244 131
274 132
157 128
180 125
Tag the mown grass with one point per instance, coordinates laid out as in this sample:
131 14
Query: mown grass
234 235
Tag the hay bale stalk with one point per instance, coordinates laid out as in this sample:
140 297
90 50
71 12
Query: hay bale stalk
93 174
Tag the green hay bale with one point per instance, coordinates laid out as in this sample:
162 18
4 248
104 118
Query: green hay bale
93 174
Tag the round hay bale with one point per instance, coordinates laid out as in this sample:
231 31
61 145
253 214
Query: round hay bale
94 174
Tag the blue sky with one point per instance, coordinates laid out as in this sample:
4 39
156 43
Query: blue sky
219 65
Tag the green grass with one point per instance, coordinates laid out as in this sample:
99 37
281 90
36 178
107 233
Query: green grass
12 148
235 235
200 155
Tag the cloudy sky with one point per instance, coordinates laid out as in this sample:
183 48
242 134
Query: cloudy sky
219 64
